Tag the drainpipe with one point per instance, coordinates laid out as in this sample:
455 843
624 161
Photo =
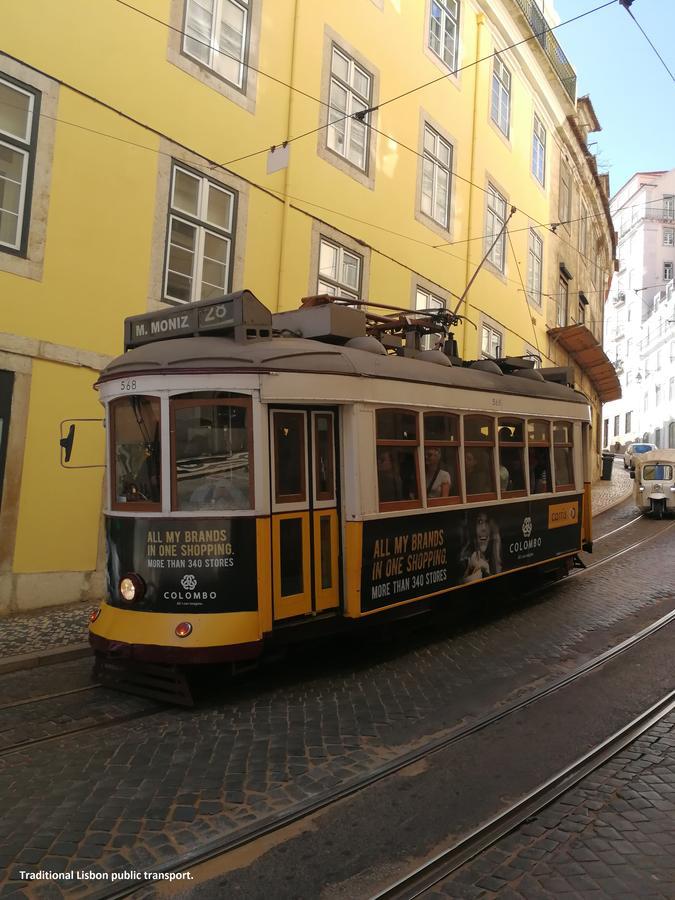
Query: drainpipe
287 172
480 22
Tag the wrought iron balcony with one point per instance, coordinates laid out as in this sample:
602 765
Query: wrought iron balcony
550 46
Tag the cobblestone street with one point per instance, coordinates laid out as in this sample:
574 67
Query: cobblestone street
612 837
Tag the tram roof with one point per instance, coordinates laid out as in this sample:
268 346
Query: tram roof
204 355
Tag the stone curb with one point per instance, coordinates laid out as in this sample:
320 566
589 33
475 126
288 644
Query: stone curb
44 657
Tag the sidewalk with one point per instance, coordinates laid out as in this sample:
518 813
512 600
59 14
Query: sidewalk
606 494
35 639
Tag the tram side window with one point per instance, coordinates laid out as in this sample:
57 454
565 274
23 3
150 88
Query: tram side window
212 454
136 452
539 456
441 458
562 456
511 436
479 466
397 470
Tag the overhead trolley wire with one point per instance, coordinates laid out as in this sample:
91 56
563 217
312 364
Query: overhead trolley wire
627 6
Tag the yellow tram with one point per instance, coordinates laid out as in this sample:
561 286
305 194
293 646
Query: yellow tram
266 473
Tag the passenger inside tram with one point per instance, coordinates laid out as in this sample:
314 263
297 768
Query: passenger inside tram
478 462
437 478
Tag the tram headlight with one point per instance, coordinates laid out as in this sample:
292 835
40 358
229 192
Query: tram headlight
132 588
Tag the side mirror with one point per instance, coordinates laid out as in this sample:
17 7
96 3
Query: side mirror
67 443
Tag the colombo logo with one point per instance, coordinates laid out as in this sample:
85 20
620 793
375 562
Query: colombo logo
527 526
189 583
529 543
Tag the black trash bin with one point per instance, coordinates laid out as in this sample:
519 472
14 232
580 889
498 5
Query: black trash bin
607 464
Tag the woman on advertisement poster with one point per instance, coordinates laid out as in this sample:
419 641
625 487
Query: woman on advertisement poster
483 551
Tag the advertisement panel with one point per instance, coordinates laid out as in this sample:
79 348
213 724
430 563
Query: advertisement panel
409 557
196 565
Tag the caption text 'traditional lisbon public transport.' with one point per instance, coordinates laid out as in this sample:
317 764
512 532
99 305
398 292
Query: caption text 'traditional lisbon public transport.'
268 474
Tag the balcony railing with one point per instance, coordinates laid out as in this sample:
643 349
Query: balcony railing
551 47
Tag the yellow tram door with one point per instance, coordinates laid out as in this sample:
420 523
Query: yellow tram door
305 522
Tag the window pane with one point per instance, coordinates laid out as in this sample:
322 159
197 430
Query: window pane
323 457
479 468
350 269
478 428
540 470
427 186
440 427
291 557
357 143
393 424
562 433
211 457
185 192
198 29
219 207
440 471
511 431
537 431
232 43
340 66
136 450
397 474
328 261
511 468
326 554
16 109
12 168
564 474
361 82
289 449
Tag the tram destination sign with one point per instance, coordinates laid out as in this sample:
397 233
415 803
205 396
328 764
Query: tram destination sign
219 316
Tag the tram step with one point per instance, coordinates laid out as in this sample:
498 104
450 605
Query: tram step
159 682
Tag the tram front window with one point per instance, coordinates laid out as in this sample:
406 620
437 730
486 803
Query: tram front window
211 454
136 454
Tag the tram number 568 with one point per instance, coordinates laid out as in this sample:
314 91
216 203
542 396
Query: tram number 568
128 384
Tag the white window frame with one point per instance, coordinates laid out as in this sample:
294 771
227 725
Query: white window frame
667 271
495 339
539 150
341 123
669 237
494 222
444 40
500 102
338 286
669 206
206 49
202 227
425 299
23 146
535 267
433 170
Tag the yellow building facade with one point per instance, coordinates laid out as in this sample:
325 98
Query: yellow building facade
153 153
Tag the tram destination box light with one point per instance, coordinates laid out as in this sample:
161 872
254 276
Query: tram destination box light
240 315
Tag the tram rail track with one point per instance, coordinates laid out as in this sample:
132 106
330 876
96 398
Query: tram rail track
26 701
429 874
250 834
